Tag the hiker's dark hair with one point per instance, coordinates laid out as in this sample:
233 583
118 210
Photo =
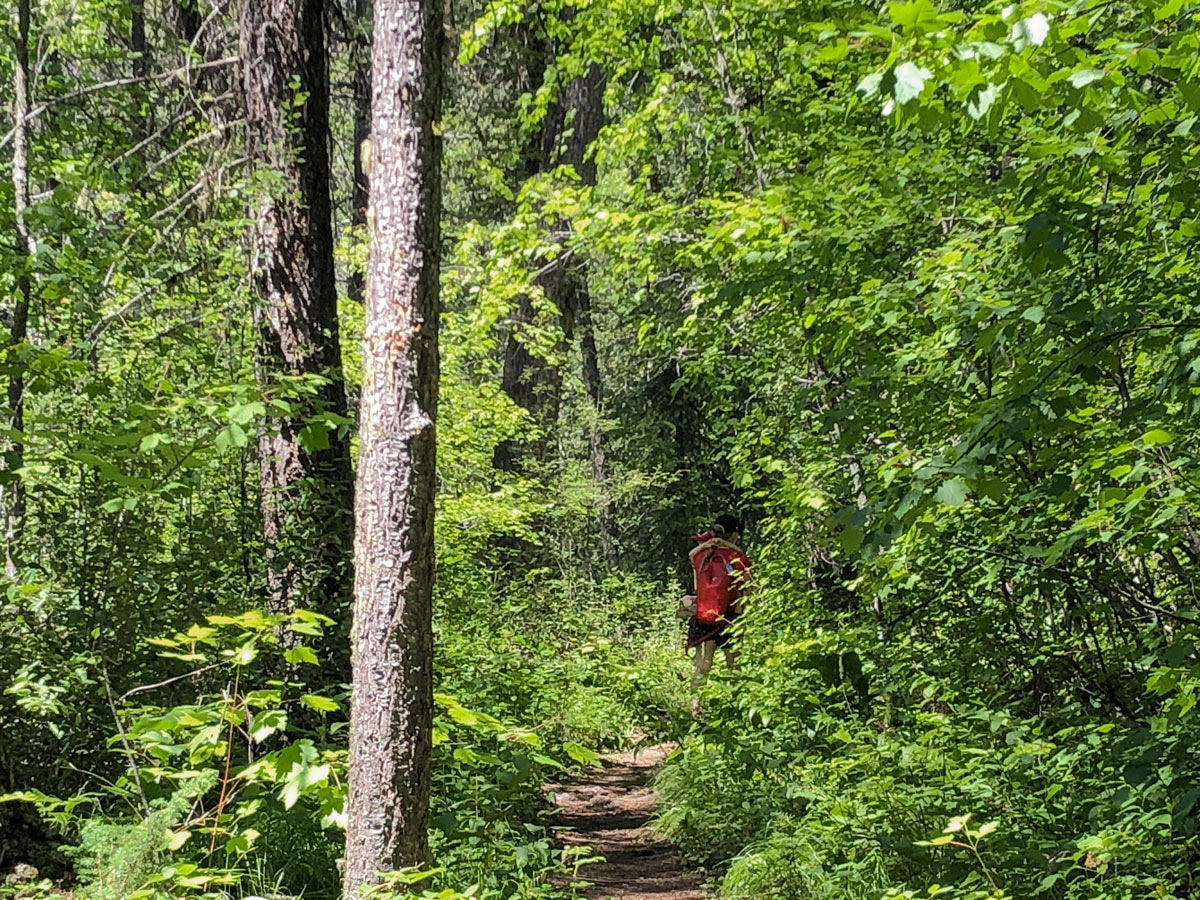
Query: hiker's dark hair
728 524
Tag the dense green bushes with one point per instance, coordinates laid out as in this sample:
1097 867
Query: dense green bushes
244 779
913 288
856 787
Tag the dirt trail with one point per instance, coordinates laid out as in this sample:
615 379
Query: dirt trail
607 810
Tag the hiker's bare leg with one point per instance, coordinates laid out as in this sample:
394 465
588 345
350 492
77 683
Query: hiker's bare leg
731 658
703 662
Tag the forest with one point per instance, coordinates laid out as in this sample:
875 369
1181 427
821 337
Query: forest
369 366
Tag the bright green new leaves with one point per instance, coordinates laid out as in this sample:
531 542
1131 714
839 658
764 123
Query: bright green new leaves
909 81
916 15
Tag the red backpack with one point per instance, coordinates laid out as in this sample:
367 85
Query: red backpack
714 587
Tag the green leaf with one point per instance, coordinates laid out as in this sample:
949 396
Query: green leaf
150 441
232 436
910 81
913 15
867 88
1184 804
1031 32
301 654
320 703
245 654
245 413
1168 9
581 754
952 493
243 842
851 539
1156 437
982 99
266 723
463 716
314 437
300 779
1084 77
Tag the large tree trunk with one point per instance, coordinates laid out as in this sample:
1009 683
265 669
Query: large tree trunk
392 707
572 124
14 502
529 380
306 488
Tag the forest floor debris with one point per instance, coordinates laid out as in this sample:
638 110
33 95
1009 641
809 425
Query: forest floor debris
608 810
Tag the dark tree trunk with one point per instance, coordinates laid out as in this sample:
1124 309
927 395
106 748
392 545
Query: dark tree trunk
529 380
14 502
137 39
392 707
362 130
306 490
143 121
573 124
188 20
533 384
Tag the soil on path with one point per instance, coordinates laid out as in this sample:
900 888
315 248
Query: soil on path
608 810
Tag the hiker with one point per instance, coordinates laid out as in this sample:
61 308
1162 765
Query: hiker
718 570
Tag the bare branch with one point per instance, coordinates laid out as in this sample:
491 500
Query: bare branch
117 82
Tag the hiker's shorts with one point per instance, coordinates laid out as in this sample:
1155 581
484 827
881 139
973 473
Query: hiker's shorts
698 633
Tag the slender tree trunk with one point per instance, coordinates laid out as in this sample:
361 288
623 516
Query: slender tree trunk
306 490
143 115
597 438
734 100
137 39
362 130
392 707
14 503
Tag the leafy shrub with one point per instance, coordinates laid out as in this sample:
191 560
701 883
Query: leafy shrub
115 860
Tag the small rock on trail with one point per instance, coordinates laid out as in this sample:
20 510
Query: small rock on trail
607 810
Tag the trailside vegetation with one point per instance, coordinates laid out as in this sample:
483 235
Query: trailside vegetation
908 287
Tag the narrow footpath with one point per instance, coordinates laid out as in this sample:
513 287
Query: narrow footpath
607 810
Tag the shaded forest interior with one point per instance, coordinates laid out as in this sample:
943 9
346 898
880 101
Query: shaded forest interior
905 286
